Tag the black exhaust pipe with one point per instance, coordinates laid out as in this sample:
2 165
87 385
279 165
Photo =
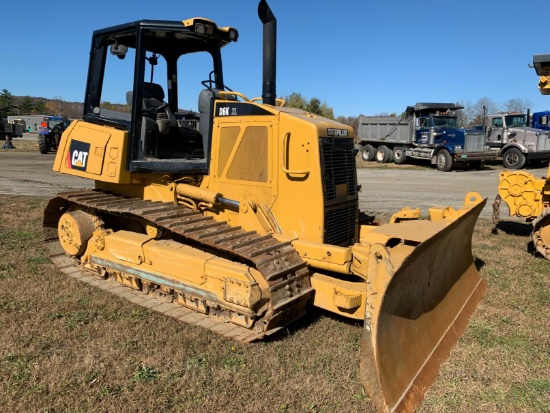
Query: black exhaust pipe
269 52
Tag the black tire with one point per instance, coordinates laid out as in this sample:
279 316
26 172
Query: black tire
42 144
444 161
383 154
399 156
513 159
479 165
367 153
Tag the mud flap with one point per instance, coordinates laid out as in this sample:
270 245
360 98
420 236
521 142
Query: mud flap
419 301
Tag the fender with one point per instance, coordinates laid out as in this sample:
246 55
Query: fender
508 146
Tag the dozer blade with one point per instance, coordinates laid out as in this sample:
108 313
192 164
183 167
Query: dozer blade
418 305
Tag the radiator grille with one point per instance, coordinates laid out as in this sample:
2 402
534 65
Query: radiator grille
475 142
338 164
340 190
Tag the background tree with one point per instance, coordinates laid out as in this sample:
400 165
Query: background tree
6 103
490 106
55 106
352 121
314 105
26 105
40 107
518 105
295 100
466 116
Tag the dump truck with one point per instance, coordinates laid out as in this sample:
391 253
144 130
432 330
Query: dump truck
427 131
243 215
527 197
508 135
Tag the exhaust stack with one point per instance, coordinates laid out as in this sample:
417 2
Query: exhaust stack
269 52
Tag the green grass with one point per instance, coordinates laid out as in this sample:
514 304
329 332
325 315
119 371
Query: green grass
66 346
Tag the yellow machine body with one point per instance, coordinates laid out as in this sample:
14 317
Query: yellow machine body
528 197
258 221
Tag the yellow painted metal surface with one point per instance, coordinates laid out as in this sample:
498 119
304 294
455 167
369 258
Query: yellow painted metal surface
544 85
525 195
272 160
92 151
338 296
420 298
230 281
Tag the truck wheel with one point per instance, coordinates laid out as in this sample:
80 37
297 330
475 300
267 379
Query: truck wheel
367 153
513 159
444 161
383 154
399 156
42 144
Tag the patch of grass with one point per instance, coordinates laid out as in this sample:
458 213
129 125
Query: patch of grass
66 346
145 373
22 146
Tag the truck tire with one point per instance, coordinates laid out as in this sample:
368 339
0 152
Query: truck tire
444 161
383 154
42 144
367 153
513 159
399 156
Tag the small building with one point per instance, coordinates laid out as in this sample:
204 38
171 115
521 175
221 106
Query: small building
32 122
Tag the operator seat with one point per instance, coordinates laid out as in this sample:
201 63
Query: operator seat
156 108
206 105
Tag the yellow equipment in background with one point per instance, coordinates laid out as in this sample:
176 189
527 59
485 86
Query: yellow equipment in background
240 216
544 85
527 197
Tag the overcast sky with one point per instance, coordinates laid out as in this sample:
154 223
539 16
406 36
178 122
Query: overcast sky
361 57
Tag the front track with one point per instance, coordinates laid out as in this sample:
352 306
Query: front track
279 264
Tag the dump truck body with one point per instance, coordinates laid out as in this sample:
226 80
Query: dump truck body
245 213
426 131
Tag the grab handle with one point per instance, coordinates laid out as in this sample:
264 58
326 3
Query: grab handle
286 139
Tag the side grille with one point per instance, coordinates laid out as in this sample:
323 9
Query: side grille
341 225
340 190
475 142
338 166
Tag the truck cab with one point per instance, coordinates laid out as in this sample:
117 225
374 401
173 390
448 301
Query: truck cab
517 143
440 127
540 120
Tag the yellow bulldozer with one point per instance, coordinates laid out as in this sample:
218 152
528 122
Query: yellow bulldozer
527 197
243 215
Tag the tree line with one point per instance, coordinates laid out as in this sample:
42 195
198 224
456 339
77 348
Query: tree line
471 115
11 105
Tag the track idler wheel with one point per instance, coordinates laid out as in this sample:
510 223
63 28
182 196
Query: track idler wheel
75 228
